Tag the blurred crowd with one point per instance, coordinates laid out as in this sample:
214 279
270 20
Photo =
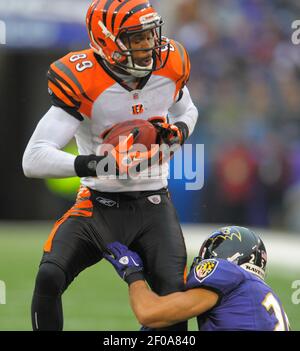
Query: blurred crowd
246 81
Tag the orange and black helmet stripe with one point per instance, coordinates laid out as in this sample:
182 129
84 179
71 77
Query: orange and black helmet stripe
130 8
105 11
92 13
112 8
113 19
135 10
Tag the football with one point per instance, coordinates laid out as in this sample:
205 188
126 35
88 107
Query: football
147 133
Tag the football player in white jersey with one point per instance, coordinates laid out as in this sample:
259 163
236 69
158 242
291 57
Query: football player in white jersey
130 72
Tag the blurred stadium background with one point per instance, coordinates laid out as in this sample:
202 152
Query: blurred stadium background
245 81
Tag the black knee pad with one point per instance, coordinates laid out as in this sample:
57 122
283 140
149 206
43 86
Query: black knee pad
50 280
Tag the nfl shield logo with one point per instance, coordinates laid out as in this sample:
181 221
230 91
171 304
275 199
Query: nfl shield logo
135 96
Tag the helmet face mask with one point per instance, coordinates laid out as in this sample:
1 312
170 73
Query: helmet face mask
127 50
238 245
111 26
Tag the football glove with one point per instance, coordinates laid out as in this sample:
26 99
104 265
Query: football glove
128 264
119 159
171 134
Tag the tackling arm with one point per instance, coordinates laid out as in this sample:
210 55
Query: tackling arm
152 310
156 311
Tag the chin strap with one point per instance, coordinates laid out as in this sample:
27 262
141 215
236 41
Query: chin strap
141 71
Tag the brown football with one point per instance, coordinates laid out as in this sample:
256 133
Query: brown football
147 133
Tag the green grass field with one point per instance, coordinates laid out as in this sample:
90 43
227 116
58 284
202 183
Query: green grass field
97 299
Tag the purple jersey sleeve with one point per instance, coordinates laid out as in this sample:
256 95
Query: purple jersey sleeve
216 274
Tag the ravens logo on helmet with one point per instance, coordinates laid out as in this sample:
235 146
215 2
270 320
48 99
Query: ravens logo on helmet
239 245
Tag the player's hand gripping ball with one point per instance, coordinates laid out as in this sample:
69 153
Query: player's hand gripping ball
135 144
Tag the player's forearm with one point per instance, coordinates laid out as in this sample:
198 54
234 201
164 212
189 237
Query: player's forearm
48 162
43 157
143 302
152 310
190 118
184 111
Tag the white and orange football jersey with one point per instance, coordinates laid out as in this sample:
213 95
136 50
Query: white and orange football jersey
82 85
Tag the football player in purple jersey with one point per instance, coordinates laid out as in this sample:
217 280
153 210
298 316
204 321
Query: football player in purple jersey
225 288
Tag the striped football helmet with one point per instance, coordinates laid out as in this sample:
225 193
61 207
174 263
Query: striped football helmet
111 23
